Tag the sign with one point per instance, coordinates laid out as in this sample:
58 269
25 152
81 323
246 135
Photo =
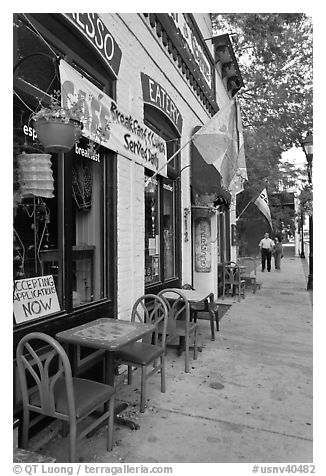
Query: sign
82 150
127 135
95 31
203 254
34 298
193 42
155 94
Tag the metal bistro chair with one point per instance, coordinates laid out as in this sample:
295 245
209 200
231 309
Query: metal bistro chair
201 307
149 309
232 280
56 393
250 274
179 323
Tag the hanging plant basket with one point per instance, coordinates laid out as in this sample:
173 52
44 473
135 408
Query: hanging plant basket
56 134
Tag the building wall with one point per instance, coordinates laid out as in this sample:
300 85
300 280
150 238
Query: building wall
142 52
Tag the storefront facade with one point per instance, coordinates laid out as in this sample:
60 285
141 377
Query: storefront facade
93 233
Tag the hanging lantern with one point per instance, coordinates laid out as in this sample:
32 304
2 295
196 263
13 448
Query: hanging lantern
35 175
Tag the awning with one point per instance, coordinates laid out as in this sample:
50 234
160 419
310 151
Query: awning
206 181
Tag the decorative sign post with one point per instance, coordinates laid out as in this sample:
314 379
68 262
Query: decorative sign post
203 254
34 298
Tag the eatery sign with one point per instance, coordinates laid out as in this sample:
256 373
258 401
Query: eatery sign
126 134
95 31
155 94
34 298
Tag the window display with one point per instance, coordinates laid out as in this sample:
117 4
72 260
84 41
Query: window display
152 262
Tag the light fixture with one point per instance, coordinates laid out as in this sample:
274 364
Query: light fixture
307 146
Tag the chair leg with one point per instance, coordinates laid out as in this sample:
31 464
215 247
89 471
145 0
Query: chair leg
72 441
187 354
143 389
217 319
162 358
25 431
195 343
211 321
129 374
110 425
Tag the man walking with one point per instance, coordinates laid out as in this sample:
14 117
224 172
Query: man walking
266 246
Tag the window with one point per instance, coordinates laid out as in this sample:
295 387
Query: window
61 208
162 216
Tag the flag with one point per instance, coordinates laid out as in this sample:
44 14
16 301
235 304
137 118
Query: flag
215 141
262 204
240 175
242 166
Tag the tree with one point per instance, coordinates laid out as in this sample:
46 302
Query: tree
274 53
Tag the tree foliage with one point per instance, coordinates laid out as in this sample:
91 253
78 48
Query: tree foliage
274 53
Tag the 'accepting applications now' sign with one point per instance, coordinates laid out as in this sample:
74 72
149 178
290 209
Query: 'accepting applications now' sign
34 298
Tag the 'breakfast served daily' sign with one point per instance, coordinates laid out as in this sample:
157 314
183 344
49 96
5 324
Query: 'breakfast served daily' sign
34 298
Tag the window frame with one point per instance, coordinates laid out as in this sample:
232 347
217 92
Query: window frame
158 122
106 305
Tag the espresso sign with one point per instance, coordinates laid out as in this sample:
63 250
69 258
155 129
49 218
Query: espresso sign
95 31
155 94
203 254
34 298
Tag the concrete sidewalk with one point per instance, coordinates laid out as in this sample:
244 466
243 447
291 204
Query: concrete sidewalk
248 398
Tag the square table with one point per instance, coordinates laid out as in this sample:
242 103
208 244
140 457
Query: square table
107 334
196 297
110 335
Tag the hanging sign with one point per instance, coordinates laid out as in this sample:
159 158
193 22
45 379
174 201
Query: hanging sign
95 31
127 135
155 94
203 254
34 298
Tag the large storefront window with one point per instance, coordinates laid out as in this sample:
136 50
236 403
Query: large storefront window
41 208
60 220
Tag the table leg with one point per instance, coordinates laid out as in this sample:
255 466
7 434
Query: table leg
210 306
109 363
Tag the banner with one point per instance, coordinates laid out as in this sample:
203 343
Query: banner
127 135
262 204
216 141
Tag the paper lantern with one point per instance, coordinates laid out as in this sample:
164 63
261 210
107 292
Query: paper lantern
35 175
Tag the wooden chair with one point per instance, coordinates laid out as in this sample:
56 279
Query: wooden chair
149 309
55 393
250 274
179 324
232 281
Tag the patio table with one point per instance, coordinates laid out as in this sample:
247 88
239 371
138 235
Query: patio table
110 335
199 297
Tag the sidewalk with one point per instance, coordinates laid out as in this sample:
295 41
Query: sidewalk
248 398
